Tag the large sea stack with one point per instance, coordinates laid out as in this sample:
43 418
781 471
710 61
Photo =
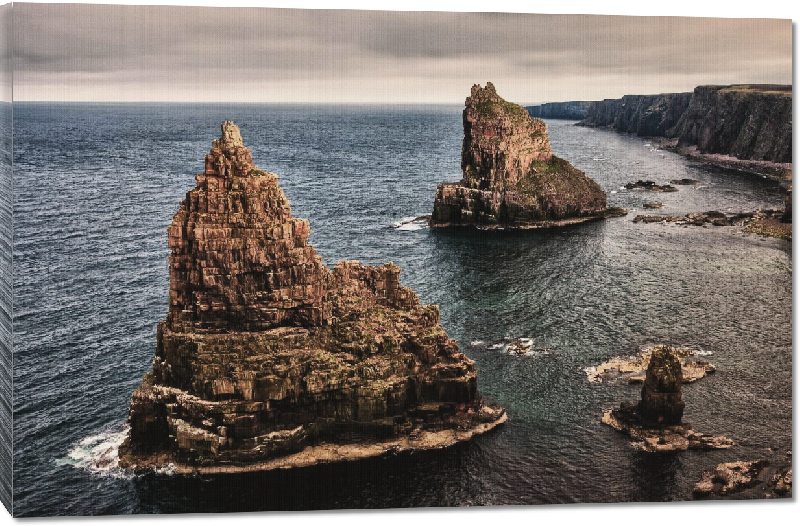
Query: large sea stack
511 178
269 359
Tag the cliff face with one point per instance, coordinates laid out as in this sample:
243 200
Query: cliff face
645 115
749 122
265 351
510 176
746 122
572 110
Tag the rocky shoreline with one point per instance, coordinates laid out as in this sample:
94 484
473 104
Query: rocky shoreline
650 186
735 126
773 170
770 223
326 453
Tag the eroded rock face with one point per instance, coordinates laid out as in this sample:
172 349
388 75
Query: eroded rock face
662 402
748 122
572 110
511 178
744 121
501 141
265 351
655 423
633 369
645 115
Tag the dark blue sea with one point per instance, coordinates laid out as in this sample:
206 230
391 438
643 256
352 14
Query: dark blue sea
95 187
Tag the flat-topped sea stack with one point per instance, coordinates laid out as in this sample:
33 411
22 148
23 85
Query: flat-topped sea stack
511 179
269 359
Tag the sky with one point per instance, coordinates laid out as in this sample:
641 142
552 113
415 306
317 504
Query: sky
159 53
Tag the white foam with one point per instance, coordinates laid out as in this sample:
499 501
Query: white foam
476 343
169 469
99 453
413 226
398 224
411 223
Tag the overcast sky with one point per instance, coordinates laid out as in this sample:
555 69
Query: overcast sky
114 52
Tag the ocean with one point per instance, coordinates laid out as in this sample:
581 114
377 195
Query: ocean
95 186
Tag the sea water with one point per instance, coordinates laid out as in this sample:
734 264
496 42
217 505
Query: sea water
95 187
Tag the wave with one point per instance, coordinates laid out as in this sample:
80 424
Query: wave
99 454
521 347
412 223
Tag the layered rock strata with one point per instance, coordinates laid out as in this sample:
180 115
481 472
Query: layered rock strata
572 110
511 179
644 115
655 423
267 357
744 122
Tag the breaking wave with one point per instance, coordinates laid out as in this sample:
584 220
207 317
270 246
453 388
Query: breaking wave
411 223
99 453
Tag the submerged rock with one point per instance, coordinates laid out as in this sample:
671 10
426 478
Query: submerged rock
655 423
685 182
763 222
651 186
269 359
511 179
729 477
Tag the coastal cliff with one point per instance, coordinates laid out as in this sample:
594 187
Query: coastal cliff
646 115
269 359
572 110
511 179
744 122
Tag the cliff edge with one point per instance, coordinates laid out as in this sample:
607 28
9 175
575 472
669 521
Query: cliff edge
269 359
745 122
511 179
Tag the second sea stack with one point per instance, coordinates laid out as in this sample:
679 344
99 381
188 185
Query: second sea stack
268 359
511 179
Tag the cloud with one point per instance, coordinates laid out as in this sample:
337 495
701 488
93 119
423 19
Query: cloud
5 53
82 50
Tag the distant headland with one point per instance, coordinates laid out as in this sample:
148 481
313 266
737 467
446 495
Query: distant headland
743 126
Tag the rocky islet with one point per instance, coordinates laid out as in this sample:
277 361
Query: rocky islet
511 179
269 359
655 423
